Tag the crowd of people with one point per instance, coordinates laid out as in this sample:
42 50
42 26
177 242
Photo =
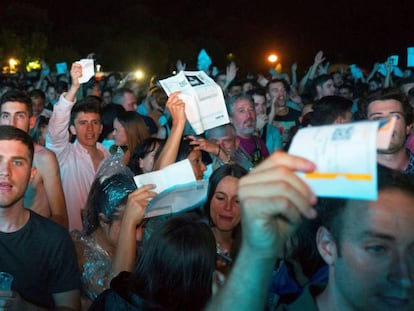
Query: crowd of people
73 230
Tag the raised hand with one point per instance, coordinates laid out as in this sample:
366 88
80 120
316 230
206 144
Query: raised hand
76 73
180 65
261 121
274 200
176 107
319 59
231 72
137 204
203 144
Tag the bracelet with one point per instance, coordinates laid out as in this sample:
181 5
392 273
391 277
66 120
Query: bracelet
218 153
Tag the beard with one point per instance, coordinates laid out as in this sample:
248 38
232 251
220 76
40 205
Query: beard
396 144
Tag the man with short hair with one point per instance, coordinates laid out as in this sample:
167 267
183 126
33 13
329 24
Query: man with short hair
243 117
386 103
79 161
323 85
264 127
44 195
331 110
38 98
36 251
283 112
367 245
225 137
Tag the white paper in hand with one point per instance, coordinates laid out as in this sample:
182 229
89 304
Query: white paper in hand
88 70
345 157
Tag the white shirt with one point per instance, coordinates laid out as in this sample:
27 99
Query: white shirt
76 167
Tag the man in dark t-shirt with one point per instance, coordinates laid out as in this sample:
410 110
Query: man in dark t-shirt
36 251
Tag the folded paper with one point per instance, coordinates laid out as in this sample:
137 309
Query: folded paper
345 156
205 107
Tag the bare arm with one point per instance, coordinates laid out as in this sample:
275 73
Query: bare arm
169 152
316 63
49 168
210 147
373 71
273 200
66 301
57 138
388 78
310 75
125 254
231 72
75 73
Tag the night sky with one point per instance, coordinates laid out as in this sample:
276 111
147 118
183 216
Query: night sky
361 32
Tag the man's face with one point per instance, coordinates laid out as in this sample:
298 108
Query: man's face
380 109
235 90
277 94
38 104
247 86
107 98
17 115
259 104
15 172
337 79
244 117
327 89
196 160
51 93
87 128
345 92
227 142
130 102
376 268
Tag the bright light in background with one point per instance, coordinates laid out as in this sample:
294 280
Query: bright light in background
272 58
139 74
33 65
12 64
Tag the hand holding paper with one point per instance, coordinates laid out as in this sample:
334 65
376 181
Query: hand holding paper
177 189
88 70
205 107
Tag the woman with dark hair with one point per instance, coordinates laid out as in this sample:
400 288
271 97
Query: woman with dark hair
108 115
143 156
129 131
223 212
175 271
114 211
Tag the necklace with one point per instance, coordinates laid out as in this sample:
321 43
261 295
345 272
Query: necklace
283 111
221 250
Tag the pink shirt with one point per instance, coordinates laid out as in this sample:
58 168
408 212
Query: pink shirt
76 166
